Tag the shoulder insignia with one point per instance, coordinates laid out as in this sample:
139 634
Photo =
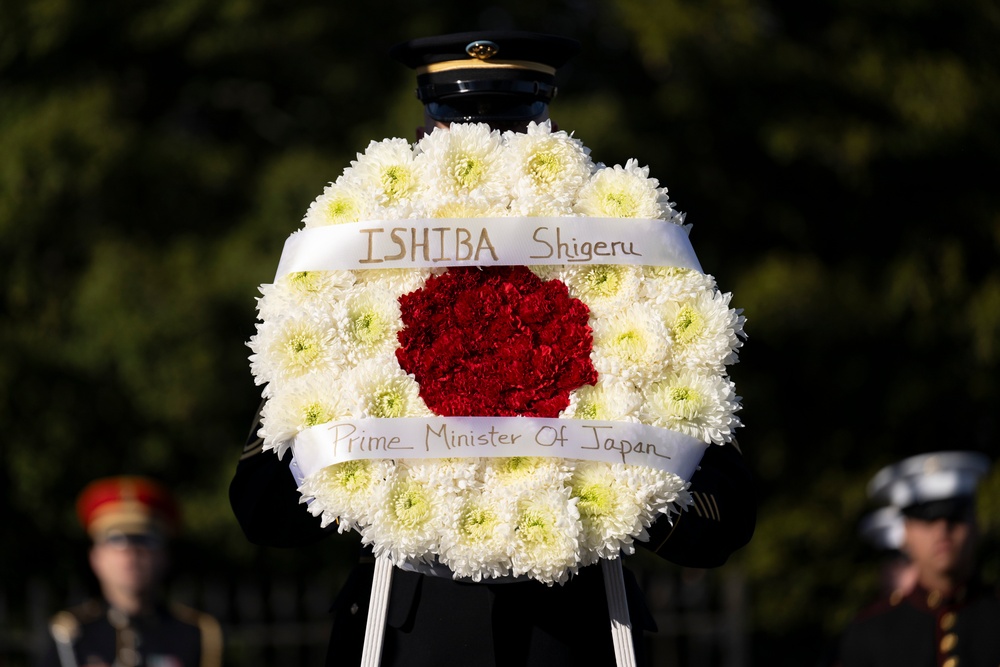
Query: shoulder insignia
87 612
705 506
252 448
877 608
210 630
183 613
254 445
65 627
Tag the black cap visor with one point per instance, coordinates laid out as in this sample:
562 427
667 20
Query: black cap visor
954 510
430 91
485 109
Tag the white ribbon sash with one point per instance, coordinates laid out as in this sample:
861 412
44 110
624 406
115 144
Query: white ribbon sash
406 244
447 437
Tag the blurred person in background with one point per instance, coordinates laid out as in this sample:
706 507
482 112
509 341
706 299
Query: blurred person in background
129 521
883 529
433 619
948 617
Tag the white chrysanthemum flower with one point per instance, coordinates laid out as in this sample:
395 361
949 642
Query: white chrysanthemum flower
559 272
292 348
395 281
514 475
371 321
706 332
380 389
410 517
671 283
478 544
461 162
700 405
454 475
605 286
348 493
624 192
341 202
464 207
546 170
631 344
609 513
546 536
300 292
657 493
538 207
386 171
608 400
300 405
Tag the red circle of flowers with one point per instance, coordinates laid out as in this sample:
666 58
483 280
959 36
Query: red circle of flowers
495 341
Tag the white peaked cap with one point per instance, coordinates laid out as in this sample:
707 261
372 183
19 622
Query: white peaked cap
883 528
928 477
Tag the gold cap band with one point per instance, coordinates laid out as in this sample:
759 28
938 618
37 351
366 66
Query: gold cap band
472 63
125 516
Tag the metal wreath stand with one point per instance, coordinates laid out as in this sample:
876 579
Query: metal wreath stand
614 586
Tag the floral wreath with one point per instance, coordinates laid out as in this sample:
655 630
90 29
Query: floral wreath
616 342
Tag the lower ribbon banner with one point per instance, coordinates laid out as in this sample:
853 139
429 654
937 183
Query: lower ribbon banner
447 437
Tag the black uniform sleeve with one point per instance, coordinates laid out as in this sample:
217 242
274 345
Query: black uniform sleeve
265 499
722 518
850 651
50 657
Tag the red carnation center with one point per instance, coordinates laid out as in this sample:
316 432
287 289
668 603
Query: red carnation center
495 341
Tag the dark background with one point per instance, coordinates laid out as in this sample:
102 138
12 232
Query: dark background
837 158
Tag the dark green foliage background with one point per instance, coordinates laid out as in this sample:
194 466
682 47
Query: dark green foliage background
837 158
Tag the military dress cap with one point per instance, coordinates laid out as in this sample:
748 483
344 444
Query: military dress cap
931 486
127 506
486 76
883 528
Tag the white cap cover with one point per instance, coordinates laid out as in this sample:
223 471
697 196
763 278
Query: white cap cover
883 528
928 477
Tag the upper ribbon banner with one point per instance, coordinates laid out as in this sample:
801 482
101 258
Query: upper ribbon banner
416 243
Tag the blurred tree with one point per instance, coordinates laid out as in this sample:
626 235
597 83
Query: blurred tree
846 149
836 159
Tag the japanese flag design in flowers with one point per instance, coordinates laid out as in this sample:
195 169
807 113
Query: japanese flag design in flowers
624 343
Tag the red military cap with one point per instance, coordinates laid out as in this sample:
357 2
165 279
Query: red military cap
130 505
